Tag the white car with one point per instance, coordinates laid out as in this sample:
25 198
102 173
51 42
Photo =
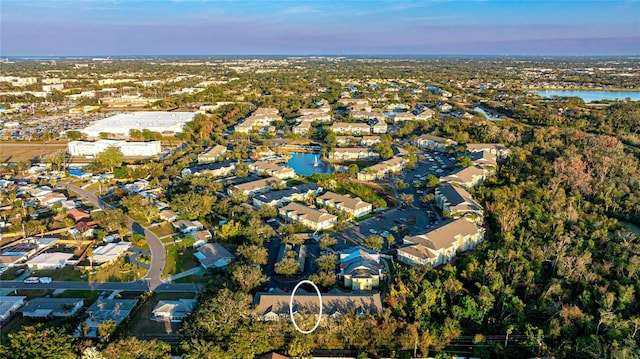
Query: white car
373 231
45 280
32 280
385 233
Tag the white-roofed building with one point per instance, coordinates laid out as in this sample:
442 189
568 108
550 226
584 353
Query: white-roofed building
110 252
54 260
173 310
85 148
164 122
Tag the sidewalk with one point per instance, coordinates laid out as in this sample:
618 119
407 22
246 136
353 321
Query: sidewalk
193 271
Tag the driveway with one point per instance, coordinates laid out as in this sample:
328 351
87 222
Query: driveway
158 253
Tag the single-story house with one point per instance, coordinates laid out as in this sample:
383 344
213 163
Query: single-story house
213 255
49 261
168 215
102 310
173 310
186 226
45 308
78 215
110 252
9 305
201 237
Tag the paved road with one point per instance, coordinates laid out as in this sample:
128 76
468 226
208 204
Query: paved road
158 253
139 285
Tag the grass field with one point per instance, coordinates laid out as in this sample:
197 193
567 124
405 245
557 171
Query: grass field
178 261
19 152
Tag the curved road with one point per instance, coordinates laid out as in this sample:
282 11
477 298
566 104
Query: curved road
158 253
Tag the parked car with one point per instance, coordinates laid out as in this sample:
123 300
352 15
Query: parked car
373 231
45 280
20 272
32 280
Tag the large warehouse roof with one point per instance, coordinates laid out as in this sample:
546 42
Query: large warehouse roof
156 121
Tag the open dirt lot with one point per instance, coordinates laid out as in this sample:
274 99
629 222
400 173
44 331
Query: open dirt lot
19 152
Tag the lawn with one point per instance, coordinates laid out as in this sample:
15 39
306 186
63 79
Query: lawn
89 296
120 271
162 230
10 273
141 324
178 260
67 273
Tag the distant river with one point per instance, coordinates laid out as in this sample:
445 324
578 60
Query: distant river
590 96
309 163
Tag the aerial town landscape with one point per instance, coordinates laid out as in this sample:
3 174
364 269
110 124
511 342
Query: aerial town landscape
441 206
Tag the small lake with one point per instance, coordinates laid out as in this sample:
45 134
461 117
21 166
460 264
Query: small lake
307 164
590 96
630 227
488 116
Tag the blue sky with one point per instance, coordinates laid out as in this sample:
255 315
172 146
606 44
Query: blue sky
226 27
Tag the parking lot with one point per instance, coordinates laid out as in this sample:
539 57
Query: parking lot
412 220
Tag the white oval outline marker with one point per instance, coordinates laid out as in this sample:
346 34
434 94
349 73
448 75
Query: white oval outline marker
291 307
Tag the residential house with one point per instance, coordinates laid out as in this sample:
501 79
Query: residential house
52 198
212 154
360 268
173 310
307 216
298 192
275 305
49 261
201 237
434 142
213 255
382 170
168 215
84 228
137 186
259 186
187 227
353 154
271 169
9 305
467 177
440 245
355 207
47 308
501 151
110 252
40 192
78 215
347 128
457 201
215 169
101 311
